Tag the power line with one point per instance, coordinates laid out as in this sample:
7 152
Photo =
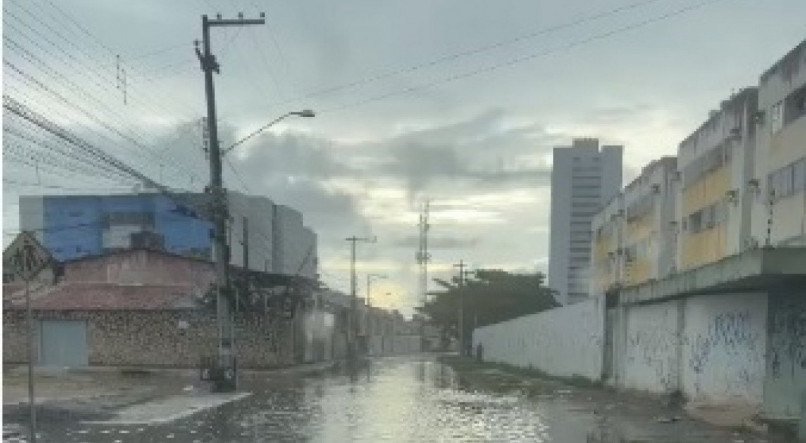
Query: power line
30 57
52 186
525 58
33 117
90 115
466 53
98 41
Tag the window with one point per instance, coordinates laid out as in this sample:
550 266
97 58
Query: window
799 175
776 117
708 217
695 222
788 180
795 105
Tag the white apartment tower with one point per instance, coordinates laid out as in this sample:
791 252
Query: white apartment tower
584 178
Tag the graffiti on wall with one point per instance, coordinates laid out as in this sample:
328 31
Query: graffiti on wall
730 332
652 346
787 332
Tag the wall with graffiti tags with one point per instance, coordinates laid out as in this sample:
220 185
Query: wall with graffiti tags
723 348
786 353
650 355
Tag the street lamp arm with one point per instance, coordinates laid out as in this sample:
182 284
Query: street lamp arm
304 113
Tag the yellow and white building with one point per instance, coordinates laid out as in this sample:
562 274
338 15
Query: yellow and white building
634 235
738 182
779 181
649 241
606 235
715 164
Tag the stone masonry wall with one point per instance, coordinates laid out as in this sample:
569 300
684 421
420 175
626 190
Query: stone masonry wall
177 338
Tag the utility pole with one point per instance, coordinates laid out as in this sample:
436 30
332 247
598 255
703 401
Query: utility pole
461 320
245 244
226 357
351 318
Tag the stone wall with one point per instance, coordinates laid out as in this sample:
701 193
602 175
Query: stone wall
566 341
177 338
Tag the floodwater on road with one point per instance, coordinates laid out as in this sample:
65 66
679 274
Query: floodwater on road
405 399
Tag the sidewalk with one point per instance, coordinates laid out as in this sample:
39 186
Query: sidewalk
621 410
120 395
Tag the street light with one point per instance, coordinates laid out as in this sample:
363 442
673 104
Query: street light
369 282
305 113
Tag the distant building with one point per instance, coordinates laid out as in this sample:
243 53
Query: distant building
583 178
779 178
716 164
264 236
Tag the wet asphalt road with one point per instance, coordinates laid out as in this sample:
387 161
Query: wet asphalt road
405 399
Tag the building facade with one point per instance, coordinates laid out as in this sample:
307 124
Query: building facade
584 177
779 181
263 236
607 228
716 164
649 240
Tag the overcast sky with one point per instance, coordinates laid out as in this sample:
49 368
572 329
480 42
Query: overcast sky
456 101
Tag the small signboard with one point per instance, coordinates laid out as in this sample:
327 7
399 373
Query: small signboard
26 257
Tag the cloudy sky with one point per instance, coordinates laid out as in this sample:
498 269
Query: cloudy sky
455 101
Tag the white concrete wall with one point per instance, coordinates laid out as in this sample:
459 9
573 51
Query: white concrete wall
786 354
564 341
711 348
650 359
723 348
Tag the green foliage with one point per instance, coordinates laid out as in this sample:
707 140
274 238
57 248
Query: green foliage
491 296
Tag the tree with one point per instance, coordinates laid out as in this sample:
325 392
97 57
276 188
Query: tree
491 296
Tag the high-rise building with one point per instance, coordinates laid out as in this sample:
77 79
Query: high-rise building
584 177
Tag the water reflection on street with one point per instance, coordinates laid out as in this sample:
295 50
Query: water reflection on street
406 399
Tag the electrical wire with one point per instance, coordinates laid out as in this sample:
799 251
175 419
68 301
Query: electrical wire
524 58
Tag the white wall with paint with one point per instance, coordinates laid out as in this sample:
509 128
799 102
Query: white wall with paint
723 348
785 379
564 341
650 359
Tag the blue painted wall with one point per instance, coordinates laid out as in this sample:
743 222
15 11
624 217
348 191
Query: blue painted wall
73 225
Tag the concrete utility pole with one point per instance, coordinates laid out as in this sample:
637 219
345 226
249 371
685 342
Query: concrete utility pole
461 320
226 357
351 318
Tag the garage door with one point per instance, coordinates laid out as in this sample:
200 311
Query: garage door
64 343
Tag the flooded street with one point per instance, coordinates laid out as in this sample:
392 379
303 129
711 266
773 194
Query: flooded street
408 399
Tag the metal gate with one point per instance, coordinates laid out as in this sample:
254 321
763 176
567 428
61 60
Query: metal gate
63 343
